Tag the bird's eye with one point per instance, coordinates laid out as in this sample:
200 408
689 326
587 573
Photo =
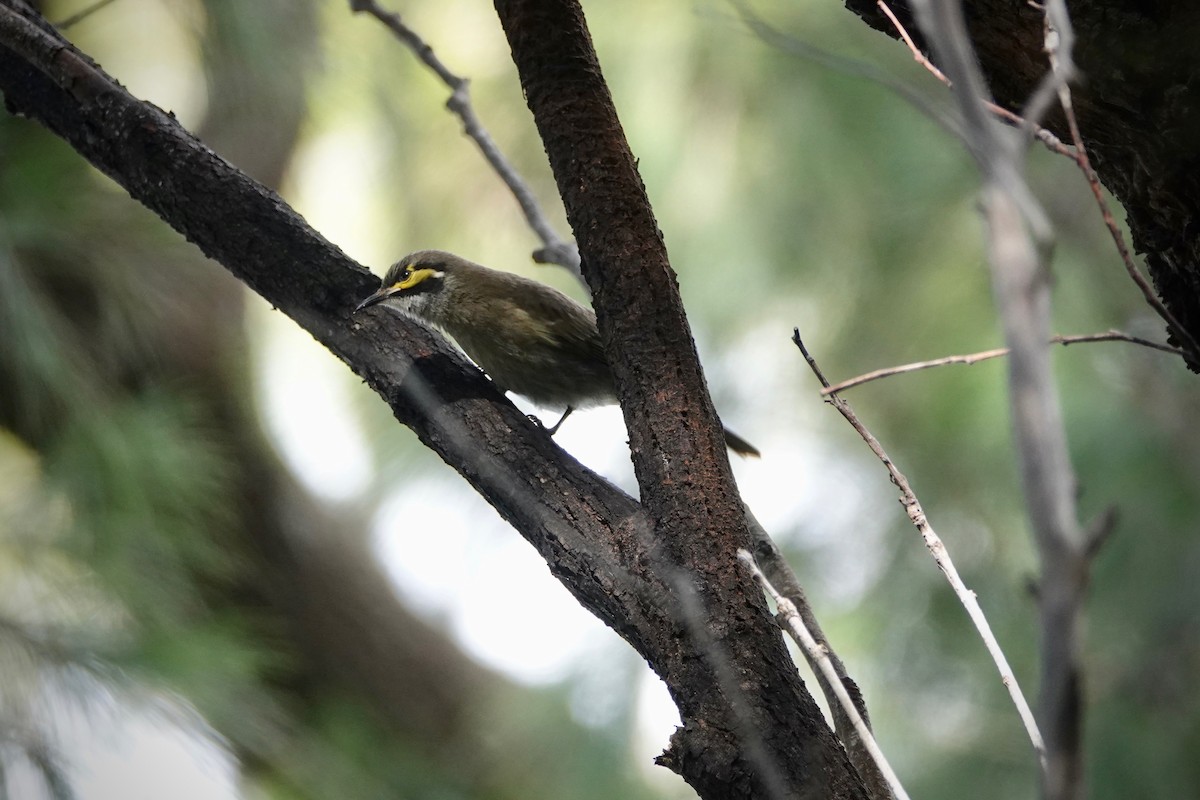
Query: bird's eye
403 277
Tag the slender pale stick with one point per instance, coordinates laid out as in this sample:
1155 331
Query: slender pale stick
975 358
789 619
941 556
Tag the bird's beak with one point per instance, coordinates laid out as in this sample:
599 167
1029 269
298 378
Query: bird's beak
377 297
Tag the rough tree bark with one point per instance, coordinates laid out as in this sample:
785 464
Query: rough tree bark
1136 107
730 698
663 575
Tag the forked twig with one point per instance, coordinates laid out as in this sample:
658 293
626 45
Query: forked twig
941 556
975 358
555 249
1044 136
1056 58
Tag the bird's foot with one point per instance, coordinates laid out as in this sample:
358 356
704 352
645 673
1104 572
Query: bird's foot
537 421
561 420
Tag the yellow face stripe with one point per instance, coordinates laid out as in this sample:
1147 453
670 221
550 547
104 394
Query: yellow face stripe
414 276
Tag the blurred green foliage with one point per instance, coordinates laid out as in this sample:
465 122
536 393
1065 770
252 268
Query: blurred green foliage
789 195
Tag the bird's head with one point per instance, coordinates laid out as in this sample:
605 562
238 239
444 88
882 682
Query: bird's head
412 281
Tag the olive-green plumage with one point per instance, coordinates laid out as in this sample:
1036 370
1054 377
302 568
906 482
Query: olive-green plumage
531 339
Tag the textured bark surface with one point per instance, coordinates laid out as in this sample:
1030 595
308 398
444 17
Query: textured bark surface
1138 107
750 729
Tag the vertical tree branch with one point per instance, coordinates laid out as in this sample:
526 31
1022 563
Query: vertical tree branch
678 453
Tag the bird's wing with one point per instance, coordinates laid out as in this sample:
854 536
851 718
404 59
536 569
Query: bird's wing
566 323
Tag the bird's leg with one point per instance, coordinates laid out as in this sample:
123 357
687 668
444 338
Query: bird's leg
561 419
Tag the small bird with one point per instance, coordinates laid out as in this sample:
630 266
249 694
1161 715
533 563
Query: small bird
530 338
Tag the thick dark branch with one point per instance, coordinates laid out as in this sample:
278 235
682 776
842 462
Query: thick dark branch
749 727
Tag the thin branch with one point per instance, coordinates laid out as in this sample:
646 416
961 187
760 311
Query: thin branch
1044 136
1059 64
917 55
770 559
975 358
941 555
789 618
554 249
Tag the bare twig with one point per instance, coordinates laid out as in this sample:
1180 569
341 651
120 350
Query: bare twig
917 55
1058 34
1044 136
790 620
554 249
941 556
975 358
769 558
1037 106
